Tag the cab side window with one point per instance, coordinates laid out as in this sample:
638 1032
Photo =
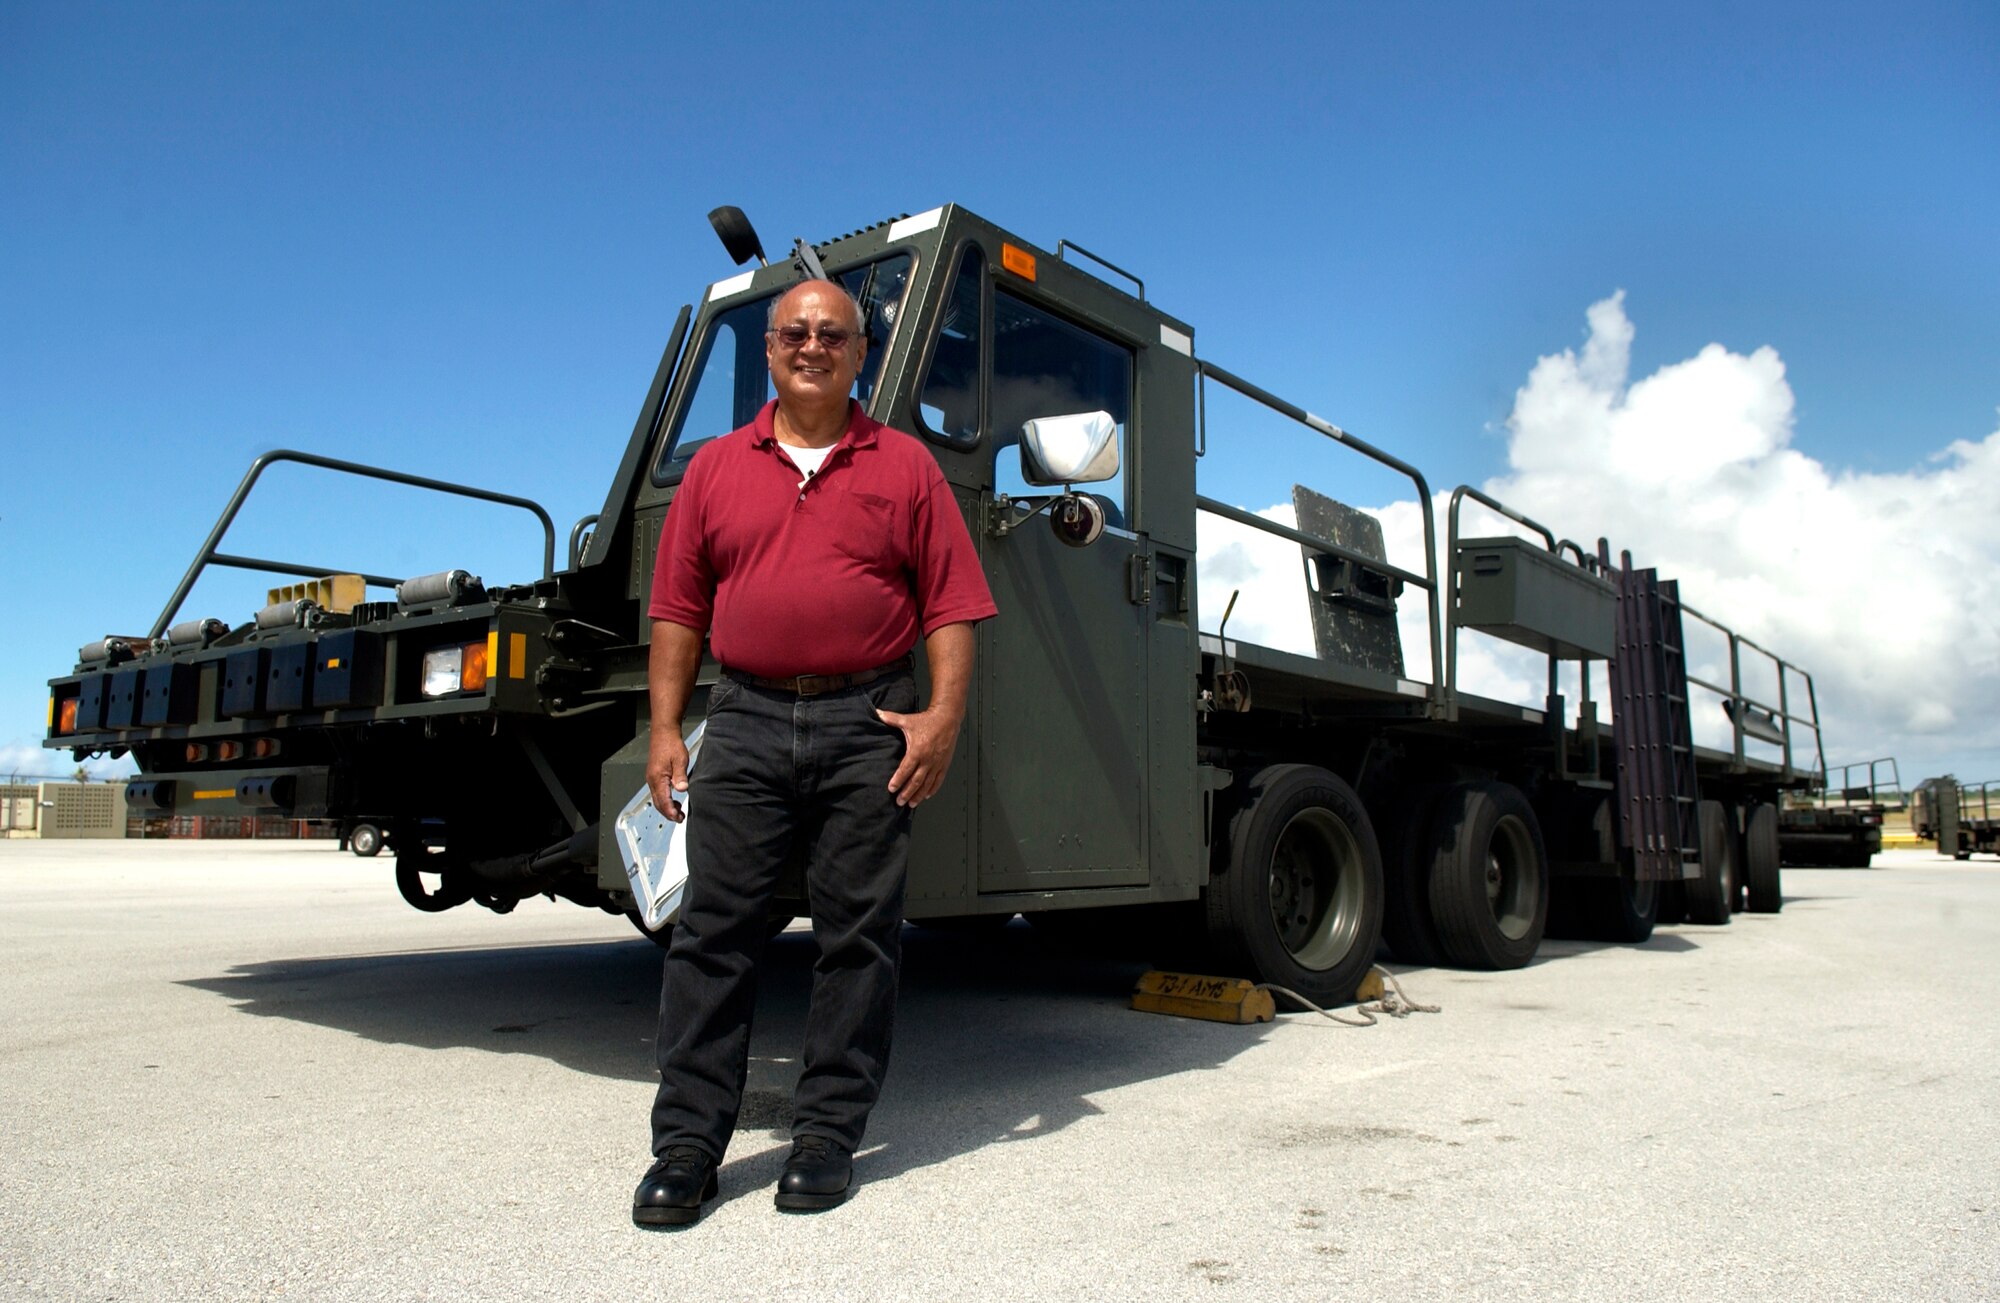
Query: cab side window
949 404
1045 366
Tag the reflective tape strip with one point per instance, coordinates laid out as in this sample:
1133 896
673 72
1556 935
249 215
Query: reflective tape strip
1174 339
492 653
1409 689
1325 426
517 655
218 794
905 227
722 289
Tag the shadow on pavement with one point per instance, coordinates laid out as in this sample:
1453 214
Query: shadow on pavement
998 1036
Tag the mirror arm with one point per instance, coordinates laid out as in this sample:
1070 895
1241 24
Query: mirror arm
1006 522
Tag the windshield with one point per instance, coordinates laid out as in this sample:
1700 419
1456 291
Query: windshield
731 381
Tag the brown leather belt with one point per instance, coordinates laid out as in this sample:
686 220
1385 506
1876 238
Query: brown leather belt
813 685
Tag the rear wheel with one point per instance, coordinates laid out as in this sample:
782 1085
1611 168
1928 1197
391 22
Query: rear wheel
1300 903
1608 908
1760 860
1489 879
1406 904
365 840
1709 896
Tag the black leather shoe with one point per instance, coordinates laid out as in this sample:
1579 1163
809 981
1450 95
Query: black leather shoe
816 1176
675 1187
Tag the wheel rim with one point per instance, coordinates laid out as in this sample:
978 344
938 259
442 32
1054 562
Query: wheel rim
1513 887
1316 889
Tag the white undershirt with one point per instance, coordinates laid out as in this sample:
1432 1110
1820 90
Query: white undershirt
808 460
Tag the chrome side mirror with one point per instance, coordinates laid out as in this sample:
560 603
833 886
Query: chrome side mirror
1077 449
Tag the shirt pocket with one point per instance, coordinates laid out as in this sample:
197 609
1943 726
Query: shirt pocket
869 529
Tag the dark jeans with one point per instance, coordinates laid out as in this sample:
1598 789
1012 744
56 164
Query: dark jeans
781 775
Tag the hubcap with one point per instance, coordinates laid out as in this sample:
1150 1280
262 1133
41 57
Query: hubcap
1513 887
1316 889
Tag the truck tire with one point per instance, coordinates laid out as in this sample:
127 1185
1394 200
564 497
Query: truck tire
1489 877
365 840
1407 927
1619 909
1760 859
1300 902
1710 895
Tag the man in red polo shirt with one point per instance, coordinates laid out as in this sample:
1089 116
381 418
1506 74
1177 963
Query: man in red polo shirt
813 547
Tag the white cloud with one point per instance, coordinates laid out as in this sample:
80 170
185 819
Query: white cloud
1879 584
1882 585
29 762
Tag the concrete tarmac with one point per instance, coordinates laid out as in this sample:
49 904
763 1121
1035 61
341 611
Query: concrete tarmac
248 1070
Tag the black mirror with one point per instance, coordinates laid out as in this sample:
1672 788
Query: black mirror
738 237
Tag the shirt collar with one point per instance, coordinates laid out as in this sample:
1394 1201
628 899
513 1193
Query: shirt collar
860 430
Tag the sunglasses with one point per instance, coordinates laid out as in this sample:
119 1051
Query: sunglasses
795 336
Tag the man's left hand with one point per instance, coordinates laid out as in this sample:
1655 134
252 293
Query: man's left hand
929 737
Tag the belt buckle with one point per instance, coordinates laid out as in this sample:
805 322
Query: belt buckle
811 685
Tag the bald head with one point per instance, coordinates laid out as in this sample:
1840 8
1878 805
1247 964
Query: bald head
782 307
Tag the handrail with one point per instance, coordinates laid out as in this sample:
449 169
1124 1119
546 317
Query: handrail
1781 710
577 534
1065 246
1303 539
1556 546
1437 693
208 555
1874 768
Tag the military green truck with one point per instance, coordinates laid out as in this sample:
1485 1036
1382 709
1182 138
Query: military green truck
1964 818
1253 810
1837 821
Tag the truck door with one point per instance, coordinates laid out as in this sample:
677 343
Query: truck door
1063 672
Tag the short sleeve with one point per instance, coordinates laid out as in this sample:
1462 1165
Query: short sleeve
683 574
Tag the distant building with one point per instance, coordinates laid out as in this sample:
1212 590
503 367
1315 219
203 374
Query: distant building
62 810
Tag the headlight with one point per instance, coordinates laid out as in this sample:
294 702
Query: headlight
455 669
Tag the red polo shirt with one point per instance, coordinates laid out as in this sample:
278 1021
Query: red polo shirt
838 576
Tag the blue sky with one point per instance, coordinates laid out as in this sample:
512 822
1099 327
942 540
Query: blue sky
451 239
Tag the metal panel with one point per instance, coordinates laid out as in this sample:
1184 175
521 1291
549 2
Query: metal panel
285 684
347 670
1062 716
243 674
1353 609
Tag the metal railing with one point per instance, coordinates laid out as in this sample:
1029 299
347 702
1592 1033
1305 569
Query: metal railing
1884 780
1775 724
1554 545
209 556
1435 692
